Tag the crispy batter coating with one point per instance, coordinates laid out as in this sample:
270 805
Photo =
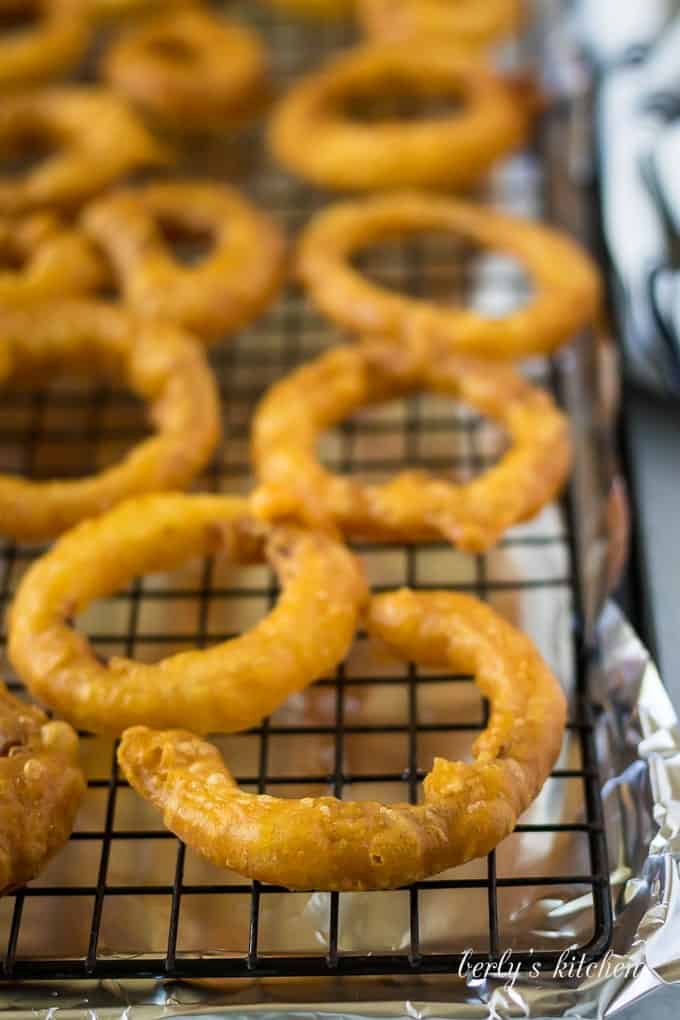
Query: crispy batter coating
566 290
228 687
415 505
96 137
226 289
466 22
190 69
160 363
116 10
314 8
312 134
41 786
328 844
47 50
42 259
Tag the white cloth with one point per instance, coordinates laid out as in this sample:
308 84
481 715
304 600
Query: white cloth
634 48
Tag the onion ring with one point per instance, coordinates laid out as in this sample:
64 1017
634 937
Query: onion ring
217 296
98 141
51 48
314 8
323 843
414 505
312 136
228 687
46 260
190 69
466 22
115 10
567 291
41 786
159 362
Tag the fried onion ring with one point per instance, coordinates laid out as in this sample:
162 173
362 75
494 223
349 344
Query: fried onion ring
41 786
312 135
314 8
228 687
223 291
41 259
327 844
467 22
47 50
565 281
116 10
415 504
157 361
190 69
97 138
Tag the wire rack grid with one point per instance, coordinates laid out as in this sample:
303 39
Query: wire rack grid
125 898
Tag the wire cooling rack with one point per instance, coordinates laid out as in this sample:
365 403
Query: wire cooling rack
125 898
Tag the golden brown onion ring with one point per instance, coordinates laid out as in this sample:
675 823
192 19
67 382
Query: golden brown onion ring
463 22
160 363
566 294
41 259
414 505
41 786
312 135
190 69
328 844
313 8
48 49
228 687
226 289
116 10
96 137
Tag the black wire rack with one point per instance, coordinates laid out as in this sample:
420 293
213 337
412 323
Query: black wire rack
125 898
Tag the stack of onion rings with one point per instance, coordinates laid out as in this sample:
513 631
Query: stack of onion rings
224 688
323 843
566 284
159 362
46 260
220 294
41 787
311 134
54 46
190 69
414 505
466 22
97 138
